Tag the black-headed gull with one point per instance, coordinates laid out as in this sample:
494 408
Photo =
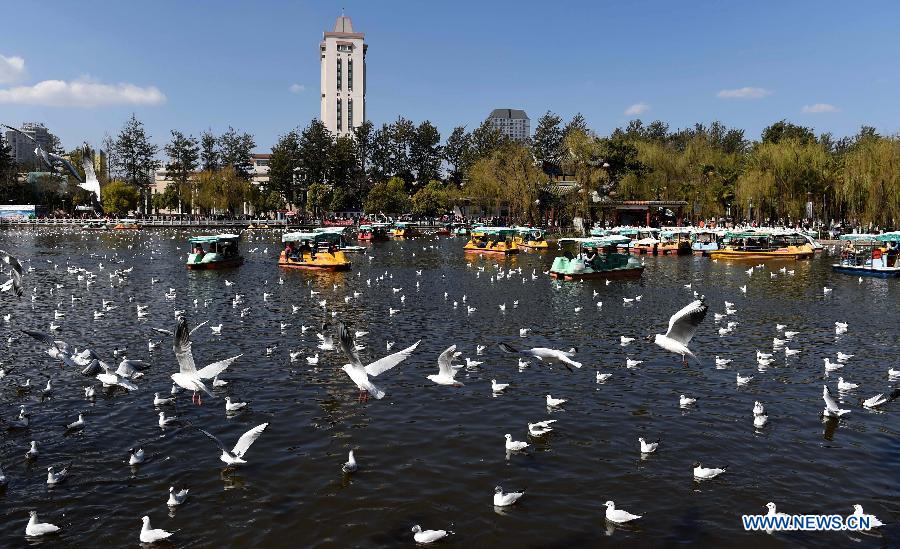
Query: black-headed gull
350 466
546 354
446 372
619 516
152 535
235 456
360 373
706 473
188 376
831 406
176 498
514 445
507 499
682 327
648 447
35 528
428 536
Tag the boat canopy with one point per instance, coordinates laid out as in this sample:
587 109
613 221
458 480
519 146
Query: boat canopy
597 241
889 237
747 234
213 238
536 231
311 237
365 227
856 237
494 231
401 224
330 230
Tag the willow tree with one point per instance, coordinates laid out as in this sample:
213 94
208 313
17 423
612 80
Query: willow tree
780 177
508 176
582 157
221 190
870 182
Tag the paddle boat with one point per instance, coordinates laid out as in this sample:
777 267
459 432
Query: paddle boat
674 241
342 233
704 241
95 226
403 229
214 252
313 251
492 240
598 258
126 225
598 230
759 244
374 231
870 255
642 240
531 237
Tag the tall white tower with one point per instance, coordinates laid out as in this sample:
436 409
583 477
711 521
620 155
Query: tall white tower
343 57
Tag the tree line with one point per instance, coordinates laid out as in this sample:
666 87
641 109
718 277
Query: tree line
788 174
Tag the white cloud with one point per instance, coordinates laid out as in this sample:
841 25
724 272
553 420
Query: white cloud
297 88
744 93
820 107
637 109
81 93
12 69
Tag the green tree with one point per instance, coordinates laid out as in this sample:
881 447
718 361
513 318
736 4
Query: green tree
425 152
235 150
286 157
223 190
264 200
209 151
319 196
783 129
388 198
137 158
342 167
315 142
456 150
169 199
382 166
184 156
431 200
119 197
546 144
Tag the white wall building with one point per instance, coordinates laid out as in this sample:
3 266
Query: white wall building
512 123
343 79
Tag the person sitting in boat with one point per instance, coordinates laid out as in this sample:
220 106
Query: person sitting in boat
589 255
289 250
198 250
305 248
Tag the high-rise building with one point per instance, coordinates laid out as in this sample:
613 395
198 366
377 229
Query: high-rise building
343 59
23 148
513 123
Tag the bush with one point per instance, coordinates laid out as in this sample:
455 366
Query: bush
388 198
119 198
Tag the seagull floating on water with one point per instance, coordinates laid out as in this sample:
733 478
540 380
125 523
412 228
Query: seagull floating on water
507 499
706 473
831 406
648 447
618 516
428 536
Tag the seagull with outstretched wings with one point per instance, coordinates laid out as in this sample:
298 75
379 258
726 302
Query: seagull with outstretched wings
682 327
235 456
360 373
48 157
188 376
14 283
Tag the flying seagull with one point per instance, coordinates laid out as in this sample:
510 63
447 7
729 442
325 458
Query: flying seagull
682 327
48 157
360 373
14 283
188 376
446 372
235 456
544 353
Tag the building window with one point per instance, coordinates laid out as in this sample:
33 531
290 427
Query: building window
349 75
339 74
349 112
339 127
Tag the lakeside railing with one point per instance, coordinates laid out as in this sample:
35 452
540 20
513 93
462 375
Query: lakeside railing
155 222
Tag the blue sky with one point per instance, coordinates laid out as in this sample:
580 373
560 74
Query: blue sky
193 65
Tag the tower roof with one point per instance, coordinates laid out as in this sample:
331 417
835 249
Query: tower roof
343 28
343 24
515 114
